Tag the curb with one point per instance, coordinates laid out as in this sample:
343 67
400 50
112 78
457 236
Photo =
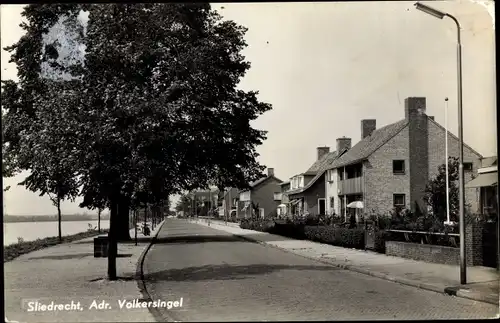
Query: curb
157 314
452 291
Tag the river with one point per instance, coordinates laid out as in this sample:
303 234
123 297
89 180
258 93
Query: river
30 231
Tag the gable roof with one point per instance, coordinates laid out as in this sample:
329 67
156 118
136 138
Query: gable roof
369 144
322 165
262 180
316 166
455 137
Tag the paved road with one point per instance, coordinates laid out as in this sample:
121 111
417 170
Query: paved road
223 278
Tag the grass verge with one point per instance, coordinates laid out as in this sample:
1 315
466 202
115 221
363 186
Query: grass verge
15 250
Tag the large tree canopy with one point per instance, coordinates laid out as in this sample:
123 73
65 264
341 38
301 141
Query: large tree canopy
150 109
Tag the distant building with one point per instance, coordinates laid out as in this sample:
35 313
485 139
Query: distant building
261 195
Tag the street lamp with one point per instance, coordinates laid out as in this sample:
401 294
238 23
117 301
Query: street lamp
441 15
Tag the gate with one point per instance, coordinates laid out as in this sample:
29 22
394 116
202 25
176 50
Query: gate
490 245
370 235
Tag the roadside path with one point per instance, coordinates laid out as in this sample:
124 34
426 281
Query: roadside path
69 272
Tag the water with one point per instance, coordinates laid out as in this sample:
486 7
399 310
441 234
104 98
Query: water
30 231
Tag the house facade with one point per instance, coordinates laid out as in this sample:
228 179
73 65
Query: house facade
307 190
487 184
230 202
391 166
262 195
205 200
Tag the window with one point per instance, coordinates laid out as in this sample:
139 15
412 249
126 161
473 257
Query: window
399 200
467 166
398 166
331 176
261 211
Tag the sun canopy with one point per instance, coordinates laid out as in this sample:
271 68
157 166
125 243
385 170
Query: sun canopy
282 205
355 205
483 180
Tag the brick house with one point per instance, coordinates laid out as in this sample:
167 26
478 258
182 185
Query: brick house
261 193
487 184
390 167
307 190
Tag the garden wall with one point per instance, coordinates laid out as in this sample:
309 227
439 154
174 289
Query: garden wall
442 254
423 252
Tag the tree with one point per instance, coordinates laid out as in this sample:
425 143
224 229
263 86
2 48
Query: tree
435 191
185 203
157 109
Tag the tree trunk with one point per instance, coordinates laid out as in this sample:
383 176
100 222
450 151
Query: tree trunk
135 225
59 219
113 243
123 225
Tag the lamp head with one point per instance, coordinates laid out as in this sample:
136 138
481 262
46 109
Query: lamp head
429 10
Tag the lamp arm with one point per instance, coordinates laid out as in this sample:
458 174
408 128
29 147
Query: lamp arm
458 27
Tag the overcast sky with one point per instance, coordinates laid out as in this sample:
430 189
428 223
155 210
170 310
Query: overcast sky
326 66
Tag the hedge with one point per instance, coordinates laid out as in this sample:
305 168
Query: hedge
257 225
342 237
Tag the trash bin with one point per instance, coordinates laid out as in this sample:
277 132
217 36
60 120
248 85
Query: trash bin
101 247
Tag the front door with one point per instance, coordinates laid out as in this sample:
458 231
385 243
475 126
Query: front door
322 206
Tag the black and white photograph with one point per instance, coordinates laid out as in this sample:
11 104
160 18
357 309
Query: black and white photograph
249 161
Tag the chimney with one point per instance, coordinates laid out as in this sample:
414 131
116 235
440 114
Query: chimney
322 151
343 143
270 172
368 126
418 149
414 107
431 117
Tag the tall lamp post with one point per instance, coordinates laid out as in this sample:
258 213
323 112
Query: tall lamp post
441 15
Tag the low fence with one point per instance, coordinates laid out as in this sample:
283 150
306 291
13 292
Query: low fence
444 248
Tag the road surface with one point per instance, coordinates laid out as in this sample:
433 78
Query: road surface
223 278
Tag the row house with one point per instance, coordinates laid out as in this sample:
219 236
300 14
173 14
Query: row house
305 193
390 166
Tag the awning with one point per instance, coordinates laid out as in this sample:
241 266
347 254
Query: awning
294 202
483 180
282 205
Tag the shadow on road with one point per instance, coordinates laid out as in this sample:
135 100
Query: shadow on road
225 272
74 256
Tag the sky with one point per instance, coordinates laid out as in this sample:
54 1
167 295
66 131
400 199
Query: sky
326 66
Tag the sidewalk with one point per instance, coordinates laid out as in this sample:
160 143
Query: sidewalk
69 272
483 282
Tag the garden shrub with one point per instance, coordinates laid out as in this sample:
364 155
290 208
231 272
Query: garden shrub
256 225
342 237
291 228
